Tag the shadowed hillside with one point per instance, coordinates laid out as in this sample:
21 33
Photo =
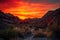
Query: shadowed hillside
11 27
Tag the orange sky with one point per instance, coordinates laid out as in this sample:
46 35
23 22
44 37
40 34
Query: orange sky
28 10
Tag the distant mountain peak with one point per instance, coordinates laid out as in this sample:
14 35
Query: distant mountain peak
58 9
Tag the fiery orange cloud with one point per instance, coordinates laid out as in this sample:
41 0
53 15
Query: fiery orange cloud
29 10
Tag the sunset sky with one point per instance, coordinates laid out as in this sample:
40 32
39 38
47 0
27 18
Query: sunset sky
28 8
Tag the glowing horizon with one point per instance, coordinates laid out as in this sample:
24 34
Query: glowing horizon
25 10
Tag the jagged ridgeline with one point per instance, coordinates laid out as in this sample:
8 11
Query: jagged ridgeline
50 17
48 26
8 25
8 19
51 23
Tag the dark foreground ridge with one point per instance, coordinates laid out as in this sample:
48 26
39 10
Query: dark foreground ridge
45 28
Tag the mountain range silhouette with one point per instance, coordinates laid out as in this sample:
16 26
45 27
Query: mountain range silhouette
50 21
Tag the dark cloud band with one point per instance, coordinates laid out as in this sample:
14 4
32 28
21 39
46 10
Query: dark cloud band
42 1
4 1
32 1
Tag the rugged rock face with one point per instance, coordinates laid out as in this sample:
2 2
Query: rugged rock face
7 19
47 26
50 23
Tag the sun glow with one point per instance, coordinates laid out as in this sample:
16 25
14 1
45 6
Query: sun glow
29 10
22 17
